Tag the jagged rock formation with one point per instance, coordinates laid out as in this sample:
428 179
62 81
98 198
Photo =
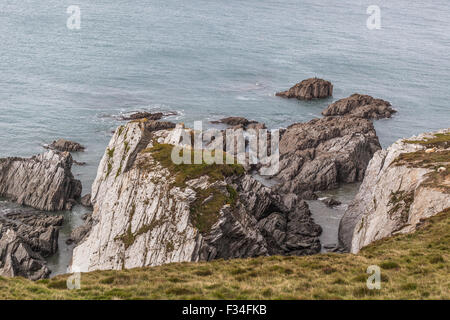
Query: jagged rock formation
241 123
321 153
309 89
147 115
406 183
86 200
362 106
65 145
25 238
44 182
149 211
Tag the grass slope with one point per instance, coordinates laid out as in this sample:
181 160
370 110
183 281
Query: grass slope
414 266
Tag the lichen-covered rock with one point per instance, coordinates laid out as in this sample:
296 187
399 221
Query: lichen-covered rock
321 153
362 106
402 186
65 145
44 182
313 88
149 211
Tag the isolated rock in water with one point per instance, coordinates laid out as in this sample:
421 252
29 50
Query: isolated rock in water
43 182
147 211
319 154
148 115
401 188
79 233
330 202
233 121
362 106
25 238
86 200
309 89
65 145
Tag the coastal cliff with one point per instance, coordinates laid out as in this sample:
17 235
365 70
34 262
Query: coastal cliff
149 211
404 184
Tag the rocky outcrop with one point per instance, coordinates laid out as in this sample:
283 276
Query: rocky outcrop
309 89
25 238
321 153
408 182
149 211
147 115
86 200
240 123
65 145
43 182
362 106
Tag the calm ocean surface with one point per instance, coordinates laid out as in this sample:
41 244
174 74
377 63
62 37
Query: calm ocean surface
209 59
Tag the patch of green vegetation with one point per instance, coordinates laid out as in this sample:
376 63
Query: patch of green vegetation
184 172
109 169
120 130
110 152
401 202
439 140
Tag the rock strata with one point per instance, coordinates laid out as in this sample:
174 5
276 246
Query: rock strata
320 154
65 145
44 182
362 106
148 211
25 238
309 89
403 186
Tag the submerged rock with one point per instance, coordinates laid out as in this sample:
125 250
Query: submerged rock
148 211
25 238
313 88
330 202
362 106
402 187
44 182
320 154
65 145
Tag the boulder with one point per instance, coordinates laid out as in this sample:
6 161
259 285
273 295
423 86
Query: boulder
362 106
147 115
65 145
330 202
44 182
86 200
313 88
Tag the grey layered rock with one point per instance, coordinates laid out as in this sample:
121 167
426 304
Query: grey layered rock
142 218
313 88
320 154
65 145
362 106
44 182
25 238
86 200
396 196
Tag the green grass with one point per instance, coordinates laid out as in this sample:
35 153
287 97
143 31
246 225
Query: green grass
439 140
413 266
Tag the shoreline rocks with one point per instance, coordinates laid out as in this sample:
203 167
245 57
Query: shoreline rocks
65 145
44 181
144 215
403 186
26 237
147 115
321 153
313 88
362 106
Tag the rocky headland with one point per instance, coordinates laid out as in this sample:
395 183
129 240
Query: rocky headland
404 185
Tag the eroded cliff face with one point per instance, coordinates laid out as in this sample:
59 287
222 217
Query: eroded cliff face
149 211
44 181
404 184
